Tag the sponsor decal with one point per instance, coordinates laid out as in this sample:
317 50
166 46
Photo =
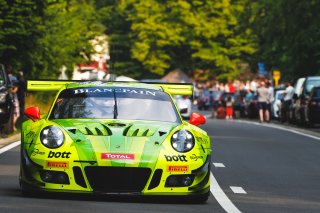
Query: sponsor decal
59 154
57 164
117 90
178 168
202 141
195 157
176 158
37 152
117 156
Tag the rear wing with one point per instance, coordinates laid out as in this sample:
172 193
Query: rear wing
177 89
48 85
44 85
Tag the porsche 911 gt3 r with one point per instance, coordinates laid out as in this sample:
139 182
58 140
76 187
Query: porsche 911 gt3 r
114 138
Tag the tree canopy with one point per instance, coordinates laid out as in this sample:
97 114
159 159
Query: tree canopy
42 36
153 37
159 36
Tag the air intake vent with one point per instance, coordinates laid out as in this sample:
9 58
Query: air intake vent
94 129
137 131
117 125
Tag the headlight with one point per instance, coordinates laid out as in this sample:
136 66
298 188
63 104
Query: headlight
52 137
182 141
3 97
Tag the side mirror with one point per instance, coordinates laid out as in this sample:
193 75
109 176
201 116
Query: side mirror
33 113
197 119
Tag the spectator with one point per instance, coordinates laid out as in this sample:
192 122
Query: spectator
287 100
229 108
270 95
21 92
238 104
12 78
16 108
262 92
231 87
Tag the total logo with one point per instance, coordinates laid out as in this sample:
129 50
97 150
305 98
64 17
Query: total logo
176 158
59 154
117 156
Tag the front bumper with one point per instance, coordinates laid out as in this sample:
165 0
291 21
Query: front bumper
88 177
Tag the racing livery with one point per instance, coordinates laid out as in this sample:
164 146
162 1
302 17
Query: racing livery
114 138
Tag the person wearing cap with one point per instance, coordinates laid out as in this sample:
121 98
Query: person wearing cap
263 95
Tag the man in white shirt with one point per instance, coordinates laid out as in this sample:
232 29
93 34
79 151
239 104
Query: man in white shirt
288 94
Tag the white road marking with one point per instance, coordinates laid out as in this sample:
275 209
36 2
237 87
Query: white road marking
215 188
10 146
221 197
238 190
218 165
279 127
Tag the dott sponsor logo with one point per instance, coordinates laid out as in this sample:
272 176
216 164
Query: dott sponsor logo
56 164
178 168
59 154
117 156
195 157
176 158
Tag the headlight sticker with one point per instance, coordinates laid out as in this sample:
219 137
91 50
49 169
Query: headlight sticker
182 141
52 137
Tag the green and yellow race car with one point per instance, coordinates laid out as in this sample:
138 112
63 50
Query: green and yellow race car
114 138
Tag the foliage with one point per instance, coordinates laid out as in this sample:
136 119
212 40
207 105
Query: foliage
41 36
159 36
153 37
289 42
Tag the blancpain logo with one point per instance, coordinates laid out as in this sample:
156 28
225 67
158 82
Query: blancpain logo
119 90
117 156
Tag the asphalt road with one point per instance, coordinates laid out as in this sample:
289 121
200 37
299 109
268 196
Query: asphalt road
255 168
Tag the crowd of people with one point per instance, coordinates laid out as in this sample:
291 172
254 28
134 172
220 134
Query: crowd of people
18 90
237 99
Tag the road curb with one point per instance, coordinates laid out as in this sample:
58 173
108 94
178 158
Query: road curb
10 139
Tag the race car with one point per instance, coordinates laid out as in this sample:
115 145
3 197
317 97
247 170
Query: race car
115 139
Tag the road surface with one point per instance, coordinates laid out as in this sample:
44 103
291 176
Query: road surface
255 168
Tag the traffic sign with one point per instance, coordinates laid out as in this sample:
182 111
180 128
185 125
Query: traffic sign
276 76
262 69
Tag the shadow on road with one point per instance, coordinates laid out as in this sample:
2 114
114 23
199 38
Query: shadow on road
103 198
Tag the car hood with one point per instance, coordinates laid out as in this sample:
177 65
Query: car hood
121 142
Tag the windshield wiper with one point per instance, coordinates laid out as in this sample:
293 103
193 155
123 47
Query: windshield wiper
115 108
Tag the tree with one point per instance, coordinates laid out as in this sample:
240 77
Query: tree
165 35
41 36
289 42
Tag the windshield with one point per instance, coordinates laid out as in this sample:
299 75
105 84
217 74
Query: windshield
110 103
310 84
